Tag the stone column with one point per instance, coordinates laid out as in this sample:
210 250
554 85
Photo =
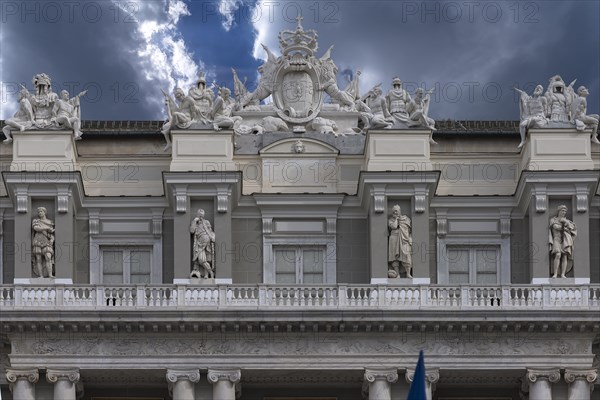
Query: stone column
540 383
181 383
539 221
581 383
432 376
224 383
379 383
378 237
22 382
65 383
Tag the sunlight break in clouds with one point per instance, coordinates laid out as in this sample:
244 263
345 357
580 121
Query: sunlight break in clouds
162 53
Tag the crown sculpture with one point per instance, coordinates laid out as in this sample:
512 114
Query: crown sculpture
299 83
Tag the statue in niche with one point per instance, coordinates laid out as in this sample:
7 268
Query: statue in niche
533 111
397 100
181 113
559 99
380 117
561 235
68 113
42 245
221 113
578 113
23 118
400 244
203 99
203 251
418 110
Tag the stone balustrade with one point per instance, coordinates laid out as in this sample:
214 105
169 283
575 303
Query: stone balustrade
416 297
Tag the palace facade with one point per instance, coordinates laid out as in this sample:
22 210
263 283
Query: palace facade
342 244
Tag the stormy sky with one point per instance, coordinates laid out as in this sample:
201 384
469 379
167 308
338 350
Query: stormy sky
472 52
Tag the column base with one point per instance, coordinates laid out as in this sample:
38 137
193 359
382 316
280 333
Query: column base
200 281
43 281
400 281
560 281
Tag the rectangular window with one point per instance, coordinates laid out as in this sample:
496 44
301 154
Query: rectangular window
123 265
299 264
473 264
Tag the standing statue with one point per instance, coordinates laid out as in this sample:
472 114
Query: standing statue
400 244
203 98
203 252
67 113
561 235
533 111
578 113
559 99
397 100
180 114
380 118
42 244
23 118
221 113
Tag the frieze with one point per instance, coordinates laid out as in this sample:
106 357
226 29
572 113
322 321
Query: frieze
305 343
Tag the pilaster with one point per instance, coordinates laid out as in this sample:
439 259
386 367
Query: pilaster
581 248
378 235
222 226
538 234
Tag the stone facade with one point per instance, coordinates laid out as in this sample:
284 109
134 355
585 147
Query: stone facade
299 199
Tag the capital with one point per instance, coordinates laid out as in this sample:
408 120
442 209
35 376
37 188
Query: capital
590 375
54 375
32 375
390 375
174 375
552 375
232 375
432 375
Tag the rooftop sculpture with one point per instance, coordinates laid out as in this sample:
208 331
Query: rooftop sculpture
45 110
558 107
300 83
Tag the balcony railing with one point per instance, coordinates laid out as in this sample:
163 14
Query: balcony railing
418 297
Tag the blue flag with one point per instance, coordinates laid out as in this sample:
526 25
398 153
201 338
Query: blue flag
418 390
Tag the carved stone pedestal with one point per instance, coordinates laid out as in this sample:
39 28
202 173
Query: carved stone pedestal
44 151
398 150
547 148
201 150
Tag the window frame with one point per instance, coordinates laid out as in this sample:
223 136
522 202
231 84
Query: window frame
503 265
299 261
126 259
